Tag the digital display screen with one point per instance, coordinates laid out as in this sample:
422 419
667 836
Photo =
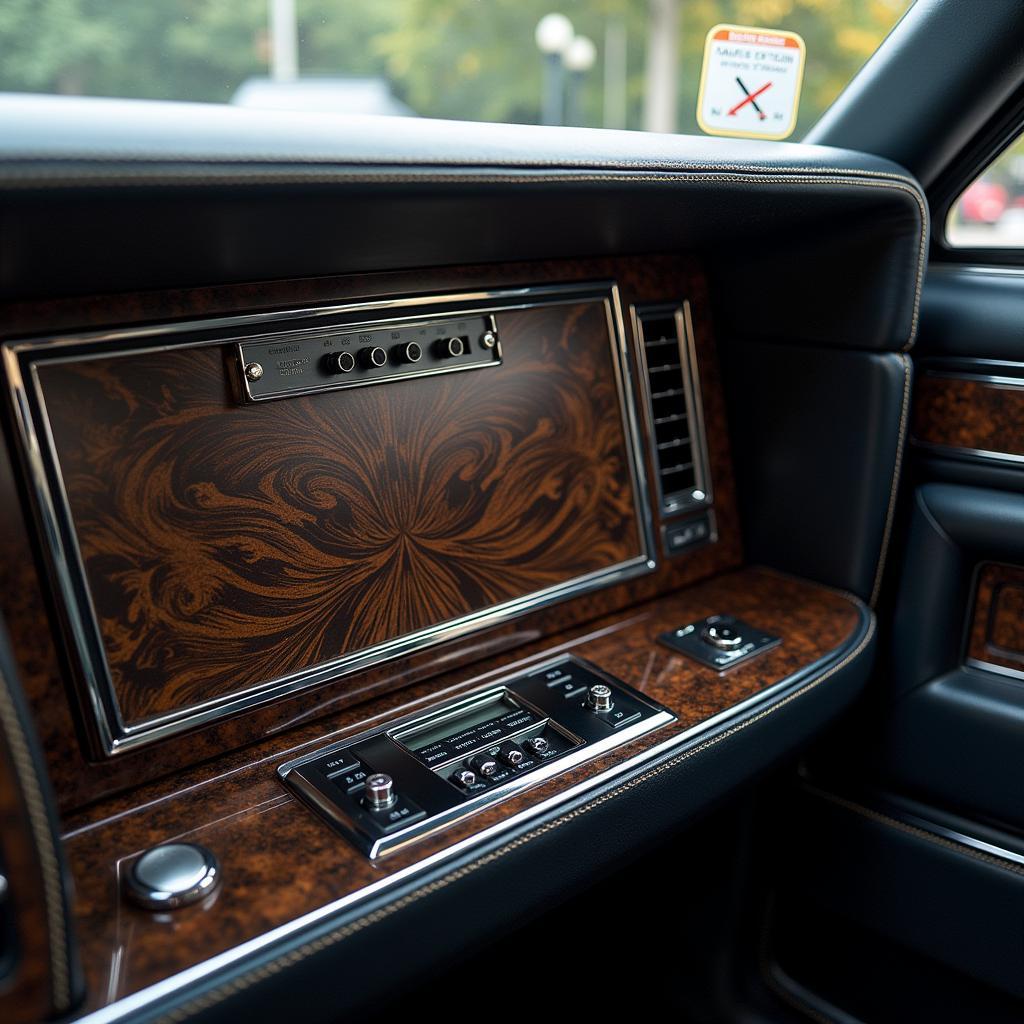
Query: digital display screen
458 724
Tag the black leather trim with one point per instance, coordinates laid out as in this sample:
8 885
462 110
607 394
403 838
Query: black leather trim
102 194
500 884
818 442
972 312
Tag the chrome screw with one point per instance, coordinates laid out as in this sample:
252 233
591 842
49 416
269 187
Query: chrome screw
253 371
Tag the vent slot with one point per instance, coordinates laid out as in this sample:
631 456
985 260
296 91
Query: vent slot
674 419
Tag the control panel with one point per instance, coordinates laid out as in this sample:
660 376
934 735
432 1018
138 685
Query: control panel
361 354
719 641
396 783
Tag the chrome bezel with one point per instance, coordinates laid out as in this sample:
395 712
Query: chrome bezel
700 495
63 556
583 751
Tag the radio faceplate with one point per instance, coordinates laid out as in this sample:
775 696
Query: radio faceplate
399 782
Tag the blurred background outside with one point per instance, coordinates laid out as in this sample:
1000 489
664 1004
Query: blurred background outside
599 63
620 64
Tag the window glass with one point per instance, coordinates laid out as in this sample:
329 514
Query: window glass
617 63
990 212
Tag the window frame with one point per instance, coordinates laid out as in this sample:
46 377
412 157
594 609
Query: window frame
1006 128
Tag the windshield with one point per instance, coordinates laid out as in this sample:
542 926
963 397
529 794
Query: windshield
613 63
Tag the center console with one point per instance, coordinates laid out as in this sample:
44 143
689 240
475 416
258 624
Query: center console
399 782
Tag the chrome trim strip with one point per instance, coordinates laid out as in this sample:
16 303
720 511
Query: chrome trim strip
146 997
997 380
968 454
681 314
991 666
66 564
954 836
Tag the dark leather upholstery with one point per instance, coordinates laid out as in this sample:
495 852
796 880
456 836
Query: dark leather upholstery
100 195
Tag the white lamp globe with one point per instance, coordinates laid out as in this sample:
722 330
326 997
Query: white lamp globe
580 55
553 34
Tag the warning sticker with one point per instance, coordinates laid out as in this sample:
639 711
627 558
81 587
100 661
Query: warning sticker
750 83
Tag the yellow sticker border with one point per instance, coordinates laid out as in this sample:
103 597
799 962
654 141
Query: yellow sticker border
791 127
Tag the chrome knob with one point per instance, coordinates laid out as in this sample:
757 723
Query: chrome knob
380 791
722 635
513 756
464 777
599 697
537 744
488 339
172 875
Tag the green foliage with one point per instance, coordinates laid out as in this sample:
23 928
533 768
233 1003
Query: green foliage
471 59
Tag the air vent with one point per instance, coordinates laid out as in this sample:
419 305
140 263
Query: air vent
673 408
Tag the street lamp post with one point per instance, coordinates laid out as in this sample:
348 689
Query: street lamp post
578 59
553 35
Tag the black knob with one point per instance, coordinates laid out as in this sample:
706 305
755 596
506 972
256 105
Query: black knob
409 352
448 348
484 764
373 358
511 754
340 362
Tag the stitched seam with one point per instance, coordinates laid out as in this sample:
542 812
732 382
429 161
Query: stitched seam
43 838
269 970
894 488
381 160
947 844
801 176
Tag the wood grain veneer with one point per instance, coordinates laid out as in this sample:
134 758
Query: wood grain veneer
979 415
997 625
238 807
225 547
31 616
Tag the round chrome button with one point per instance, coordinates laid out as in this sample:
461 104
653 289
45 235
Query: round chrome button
488 339
464 777
537 744
599 697
722 635
172 875
380 791
513 756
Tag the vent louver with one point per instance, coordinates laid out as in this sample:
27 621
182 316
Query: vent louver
673 411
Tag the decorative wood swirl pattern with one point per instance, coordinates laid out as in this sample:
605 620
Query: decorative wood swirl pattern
227 546
997 628
975 414
64 723
238 807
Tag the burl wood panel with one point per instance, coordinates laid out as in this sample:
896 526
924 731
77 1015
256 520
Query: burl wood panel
997 627
238 807
228 546
963 413
29 614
